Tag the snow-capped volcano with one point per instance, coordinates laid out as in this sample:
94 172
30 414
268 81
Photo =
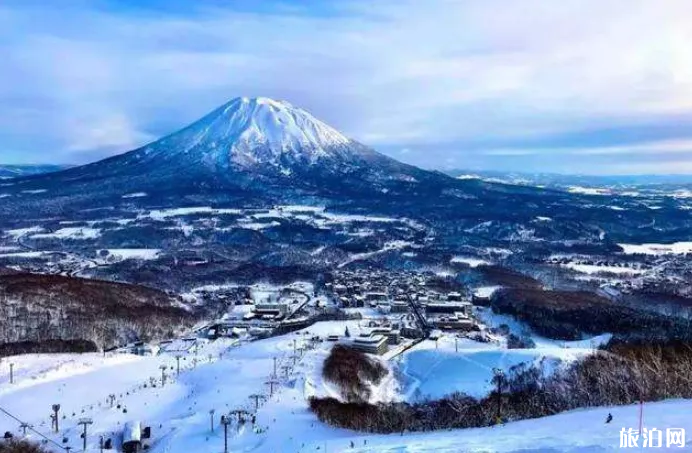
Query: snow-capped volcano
250 131
254 132
261 152
246 124
256 145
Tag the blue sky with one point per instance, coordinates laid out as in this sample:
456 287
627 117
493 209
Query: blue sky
575 86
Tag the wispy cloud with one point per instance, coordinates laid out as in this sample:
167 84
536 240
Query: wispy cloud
657 147
662 147
397 75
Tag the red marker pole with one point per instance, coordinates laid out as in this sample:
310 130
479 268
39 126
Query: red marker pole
641 415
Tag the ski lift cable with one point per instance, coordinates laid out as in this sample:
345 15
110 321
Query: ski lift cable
29 427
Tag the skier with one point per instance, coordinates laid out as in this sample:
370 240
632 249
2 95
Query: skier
609 419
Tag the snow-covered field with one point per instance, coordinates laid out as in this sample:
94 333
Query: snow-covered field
657 249
470 261
19 232
589 190
135 195
435 369
128 254
595 269
35 254
70 233
222 376
163 214
388 246
191 219
486 291
434 372
579 431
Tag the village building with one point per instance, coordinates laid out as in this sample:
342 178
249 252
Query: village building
376 344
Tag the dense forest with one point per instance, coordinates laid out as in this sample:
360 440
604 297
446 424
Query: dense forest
40 309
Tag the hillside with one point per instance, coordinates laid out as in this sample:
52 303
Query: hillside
568 315
39 308
178 412
15 171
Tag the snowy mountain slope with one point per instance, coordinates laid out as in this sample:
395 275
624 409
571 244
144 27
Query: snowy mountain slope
254 136
252 148
262 130
579 431
251 133
254 152
14 171
222 375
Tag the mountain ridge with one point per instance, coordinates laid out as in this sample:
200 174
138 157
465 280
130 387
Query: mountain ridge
259 153
251 146
18 170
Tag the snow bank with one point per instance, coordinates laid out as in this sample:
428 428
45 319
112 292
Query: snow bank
70 233
676 248
163 214
135 195
128 254
588 190
579 431
595 269
472 262
33 254
19 232
486 291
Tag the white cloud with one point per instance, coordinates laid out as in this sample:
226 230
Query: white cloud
105 133
663 146
399 73
511 152
679 167
654 147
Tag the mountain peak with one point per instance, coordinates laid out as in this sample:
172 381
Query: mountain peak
249 139
249 131
277 103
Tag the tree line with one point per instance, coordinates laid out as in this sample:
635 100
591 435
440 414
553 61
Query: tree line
622 373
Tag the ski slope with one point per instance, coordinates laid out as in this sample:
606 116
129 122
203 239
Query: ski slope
580 431
223 374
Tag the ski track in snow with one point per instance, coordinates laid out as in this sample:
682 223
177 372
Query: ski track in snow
179 412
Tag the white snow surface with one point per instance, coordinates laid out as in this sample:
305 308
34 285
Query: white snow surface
276 125
436 369
135 195
588 190
486 291
163 214
227 372
127 254
31 254
253 131
595 269
676 248
471 261
578 431
19 232
70 233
